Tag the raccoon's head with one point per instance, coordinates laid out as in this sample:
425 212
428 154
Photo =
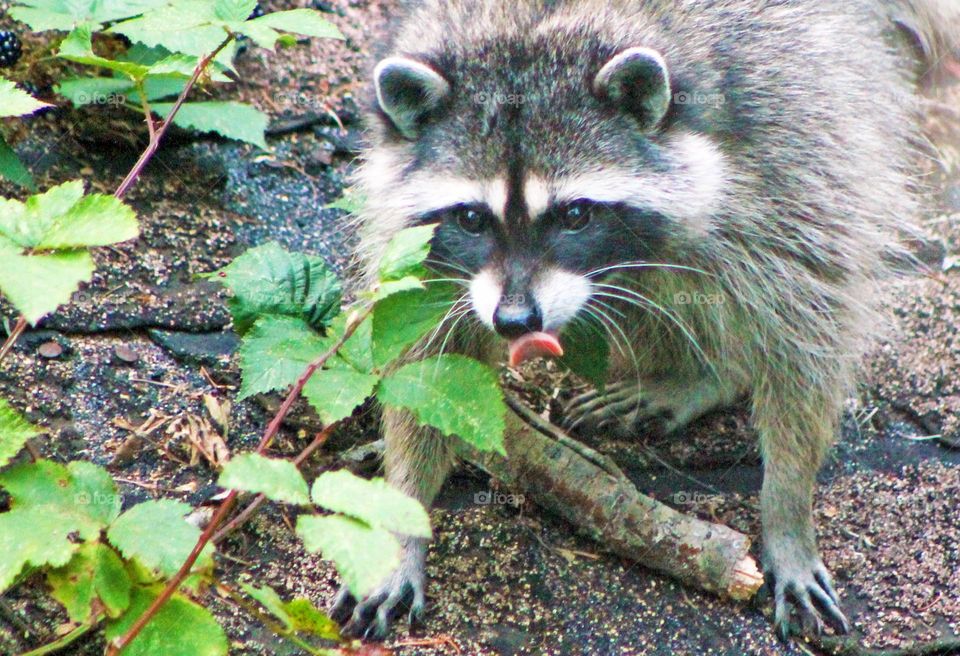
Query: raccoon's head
545 171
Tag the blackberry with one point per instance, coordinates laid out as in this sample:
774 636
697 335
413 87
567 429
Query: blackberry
257 12
10 49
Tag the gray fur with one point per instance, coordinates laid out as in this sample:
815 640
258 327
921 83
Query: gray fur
781 174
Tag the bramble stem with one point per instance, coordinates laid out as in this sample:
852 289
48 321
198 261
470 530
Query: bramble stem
12 338
117 645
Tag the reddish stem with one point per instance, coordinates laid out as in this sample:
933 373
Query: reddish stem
12 338
115 647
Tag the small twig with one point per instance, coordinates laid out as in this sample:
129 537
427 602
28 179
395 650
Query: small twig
159 132
64 641
118 644
147 112
12 338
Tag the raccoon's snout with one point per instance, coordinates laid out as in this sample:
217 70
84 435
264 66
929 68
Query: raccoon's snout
516 315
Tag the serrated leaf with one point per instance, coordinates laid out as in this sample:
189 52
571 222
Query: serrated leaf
586 351
357 352
263 35
269 280
77 47
275 353
95 90
234 10
62 218
405 253
363 555
184 26
94 573
455 394
14 432
180 628
42 15
232 120
391 287
13 169
17 102
49 504
297 615
373 501
308 22
38 284
278 480
336 393
403 319
135 533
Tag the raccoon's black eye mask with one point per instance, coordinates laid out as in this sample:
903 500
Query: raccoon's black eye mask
579 236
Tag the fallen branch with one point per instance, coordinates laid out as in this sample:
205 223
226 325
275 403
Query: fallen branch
587 491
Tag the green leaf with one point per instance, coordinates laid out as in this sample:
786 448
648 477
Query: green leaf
234 10
17 102
363 555
357 352
391 287
13 169
278 480
135 533
336 393
269 280
95 90
232 120
49 504
180 628
14 432
298 615
263 35
454 394
64 15
275 353
350 202
184 26
63 218
77 47
38 284
94 572
300 21
405 253
374 502
586 351
403 319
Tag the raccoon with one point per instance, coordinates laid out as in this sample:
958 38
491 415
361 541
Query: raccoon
721 184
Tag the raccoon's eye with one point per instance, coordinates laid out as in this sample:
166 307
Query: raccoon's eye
575 217
471 220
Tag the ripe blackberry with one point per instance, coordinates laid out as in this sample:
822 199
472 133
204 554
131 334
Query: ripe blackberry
257 12
10 49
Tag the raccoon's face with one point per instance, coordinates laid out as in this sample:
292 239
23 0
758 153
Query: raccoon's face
544 176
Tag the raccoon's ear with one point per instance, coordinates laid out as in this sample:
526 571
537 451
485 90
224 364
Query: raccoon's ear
637 81
407 91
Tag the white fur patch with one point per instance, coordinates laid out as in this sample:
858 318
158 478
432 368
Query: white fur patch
536 193
560 295
485 292
495 193
690 192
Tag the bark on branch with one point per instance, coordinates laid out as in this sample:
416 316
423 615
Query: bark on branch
590 492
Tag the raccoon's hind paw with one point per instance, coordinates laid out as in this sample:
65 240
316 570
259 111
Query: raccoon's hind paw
809 589
370 618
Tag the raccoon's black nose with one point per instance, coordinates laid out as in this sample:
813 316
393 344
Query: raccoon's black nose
513 320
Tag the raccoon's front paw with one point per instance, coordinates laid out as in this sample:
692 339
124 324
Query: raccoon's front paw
621 408
370 618
804 584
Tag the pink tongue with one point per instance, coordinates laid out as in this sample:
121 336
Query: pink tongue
534 345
